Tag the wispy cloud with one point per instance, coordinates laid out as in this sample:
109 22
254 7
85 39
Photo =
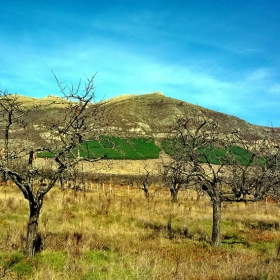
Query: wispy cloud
215 58
120 72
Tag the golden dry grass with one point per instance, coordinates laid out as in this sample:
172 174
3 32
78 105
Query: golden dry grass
120 235
52 100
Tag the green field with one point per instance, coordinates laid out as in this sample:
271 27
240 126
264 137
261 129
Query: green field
146 148
116 148
215 155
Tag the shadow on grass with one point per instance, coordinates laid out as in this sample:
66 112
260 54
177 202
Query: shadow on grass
262 225
165 229
234 240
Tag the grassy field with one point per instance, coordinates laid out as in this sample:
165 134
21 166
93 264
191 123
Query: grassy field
120 235
145 148
117 148
216 155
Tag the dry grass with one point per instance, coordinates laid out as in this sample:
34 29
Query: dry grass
50 100
98 235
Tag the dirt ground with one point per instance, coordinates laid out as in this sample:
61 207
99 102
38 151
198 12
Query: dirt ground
115 167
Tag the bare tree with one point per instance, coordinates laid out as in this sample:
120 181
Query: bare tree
144 180
212 159
174 178
257 176
12 112
63 134
193 143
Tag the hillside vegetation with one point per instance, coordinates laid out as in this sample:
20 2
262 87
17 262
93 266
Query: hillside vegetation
150 115
136 125
153 114
116 148
143 148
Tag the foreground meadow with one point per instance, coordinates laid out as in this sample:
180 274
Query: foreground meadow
118 234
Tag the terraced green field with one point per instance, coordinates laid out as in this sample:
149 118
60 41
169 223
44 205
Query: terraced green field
215 155
117 148
146 148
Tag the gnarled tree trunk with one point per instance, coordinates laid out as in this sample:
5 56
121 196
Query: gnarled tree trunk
33 240
216 227
174 195
146 193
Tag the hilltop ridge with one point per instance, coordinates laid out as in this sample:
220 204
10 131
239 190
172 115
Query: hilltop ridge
152 115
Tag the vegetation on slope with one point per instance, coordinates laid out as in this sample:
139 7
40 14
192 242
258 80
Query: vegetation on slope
151 115
117 148
146 148
215 155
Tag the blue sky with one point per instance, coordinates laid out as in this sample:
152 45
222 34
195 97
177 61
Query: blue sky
222 55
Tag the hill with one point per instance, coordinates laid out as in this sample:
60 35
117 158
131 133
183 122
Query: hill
153 114
139 116
146 115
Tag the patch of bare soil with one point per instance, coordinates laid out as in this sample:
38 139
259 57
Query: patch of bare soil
114 167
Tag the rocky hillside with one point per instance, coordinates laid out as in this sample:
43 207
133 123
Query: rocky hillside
153 114
148 115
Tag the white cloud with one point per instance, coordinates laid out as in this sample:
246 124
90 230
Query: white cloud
258 74
275 89
27 70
